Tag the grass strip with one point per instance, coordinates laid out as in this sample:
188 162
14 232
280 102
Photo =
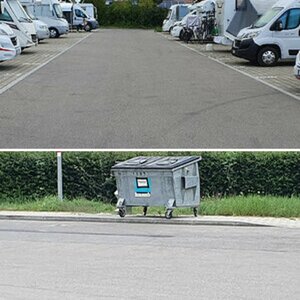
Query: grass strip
264 206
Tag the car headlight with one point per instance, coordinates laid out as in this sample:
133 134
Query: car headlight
250 35
2 32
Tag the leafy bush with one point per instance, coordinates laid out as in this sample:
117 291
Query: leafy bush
87 174
125 14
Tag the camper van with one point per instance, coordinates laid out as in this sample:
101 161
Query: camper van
234 15
42 31
48 11
90 9
297 66
175 13
13 14
9 45
275 36
77 17
198 9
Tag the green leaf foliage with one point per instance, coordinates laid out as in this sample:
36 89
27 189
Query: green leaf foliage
88 175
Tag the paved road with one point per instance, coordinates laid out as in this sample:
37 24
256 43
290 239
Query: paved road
136 89
49 260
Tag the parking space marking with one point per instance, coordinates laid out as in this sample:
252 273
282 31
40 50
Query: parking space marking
40 63
256 73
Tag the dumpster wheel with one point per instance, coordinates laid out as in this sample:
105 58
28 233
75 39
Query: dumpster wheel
195 211
169 214
122 212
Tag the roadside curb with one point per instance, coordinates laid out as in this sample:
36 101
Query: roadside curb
131 220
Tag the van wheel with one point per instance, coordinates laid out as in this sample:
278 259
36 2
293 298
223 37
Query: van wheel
53 32
267 57
88 27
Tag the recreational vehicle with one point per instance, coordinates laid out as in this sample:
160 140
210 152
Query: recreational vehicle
198 9
77 17
48 11
275 36
13 14
42 31
175 13
234 15
9 45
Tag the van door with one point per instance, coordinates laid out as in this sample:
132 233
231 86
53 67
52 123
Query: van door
288 35
78 17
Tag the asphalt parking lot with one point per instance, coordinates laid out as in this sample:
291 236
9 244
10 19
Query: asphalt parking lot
36 57
280 76
116 89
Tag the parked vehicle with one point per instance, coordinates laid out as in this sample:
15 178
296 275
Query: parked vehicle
275 36
175 13
297 66
42 31
9 44
49 12
233 15
90 9
199 9
77 17
13 14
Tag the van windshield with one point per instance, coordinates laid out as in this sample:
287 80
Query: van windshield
19 11
267 17
58 10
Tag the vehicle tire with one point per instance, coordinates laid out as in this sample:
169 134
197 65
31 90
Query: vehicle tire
267 57
181 35
88 27
122 212
53 33
169 214
170 29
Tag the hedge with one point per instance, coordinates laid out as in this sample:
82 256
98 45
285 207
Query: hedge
124 14
87 174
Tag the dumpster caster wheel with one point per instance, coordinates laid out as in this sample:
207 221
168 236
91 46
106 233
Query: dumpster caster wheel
195 211
145 211
122 212
169 214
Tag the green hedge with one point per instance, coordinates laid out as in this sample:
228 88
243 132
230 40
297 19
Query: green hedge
87 174
124 14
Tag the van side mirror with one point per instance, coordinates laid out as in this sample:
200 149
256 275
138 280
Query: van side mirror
278 26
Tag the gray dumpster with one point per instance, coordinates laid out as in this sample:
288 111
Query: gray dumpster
158 181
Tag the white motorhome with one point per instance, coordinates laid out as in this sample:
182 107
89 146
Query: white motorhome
9 45
48 11
199 9
13 14
275 36
42 31
175 13
77 17
234 15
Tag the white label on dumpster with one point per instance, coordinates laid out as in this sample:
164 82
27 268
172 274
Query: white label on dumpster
142 195
142 182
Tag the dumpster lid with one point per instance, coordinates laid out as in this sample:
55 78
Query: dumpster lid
157 162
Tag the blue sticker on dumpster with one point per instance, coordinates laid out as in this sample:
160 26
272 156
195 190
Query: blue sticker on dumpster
142 187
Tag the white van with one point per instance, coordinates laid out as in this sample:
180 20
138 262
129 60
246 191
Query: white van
176 13
48 11
9 45
13 14
77 17
274 36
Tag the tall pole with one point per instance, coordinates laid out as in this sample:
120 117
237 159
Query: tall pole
59 176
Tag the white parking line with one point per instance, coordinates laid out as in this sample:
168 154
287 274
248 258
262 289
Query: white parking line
239 70
22 77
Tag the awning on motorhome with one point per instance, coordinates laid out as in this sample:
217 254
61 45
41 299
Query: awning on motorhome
248 11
